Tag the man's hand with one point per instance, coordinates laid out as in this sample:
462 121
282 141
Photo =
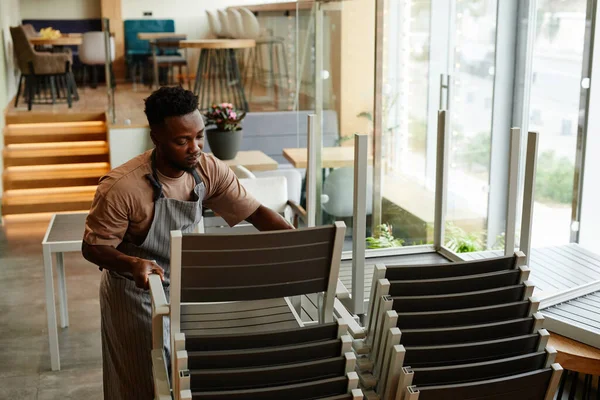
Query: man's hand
141 270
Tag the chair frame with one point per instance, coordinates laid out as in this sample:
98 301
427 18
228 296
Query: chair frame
161 308
412 392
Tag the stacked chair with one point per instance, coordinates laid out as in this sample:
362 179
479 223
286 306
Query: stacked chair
466 330
234 333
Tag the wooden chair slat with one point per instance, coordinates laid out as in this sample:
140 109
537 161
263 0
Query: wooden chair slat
272 338
461 284
277 355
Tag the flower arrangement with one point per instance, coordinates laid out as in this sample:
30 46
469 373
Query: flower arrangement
50 33
225 117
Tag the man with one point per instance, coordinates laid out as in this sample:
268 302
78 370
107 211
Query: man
127 232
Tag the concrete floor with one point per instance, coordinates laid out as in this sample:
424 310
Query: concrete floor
25 371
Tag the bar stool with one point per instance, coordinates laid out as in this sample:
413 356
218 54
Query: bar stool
218 77
277 56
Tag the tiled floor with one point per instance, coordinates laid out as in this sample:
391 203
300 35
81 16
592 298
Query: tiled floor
24 359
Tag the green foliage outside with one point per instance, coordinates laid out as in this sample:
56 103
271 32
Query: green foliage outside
383 238
554 178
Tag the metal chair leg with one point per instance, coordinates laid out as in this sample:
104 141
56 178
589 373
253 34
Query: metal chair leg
18 91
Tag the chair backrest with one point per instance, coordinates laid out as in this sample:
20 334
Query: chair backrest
481 332
271 191
24 51
214 24
30 30
538 385
299 391
465 353
339 189
92 50
483 370
294 181
224 20
242 172
311 333
455 269
469 283
250 23
264 265
264 356
236 25
132 27
480 298
285 374
467 316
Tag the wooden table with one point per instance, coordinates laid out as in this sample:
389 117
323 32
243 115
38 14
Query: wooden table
161 35
332 157
253 160
218 44
64 234
575 356
61 41
152 37
218 76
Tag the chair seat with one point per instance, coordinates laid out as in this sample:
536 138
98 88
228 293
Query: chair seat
171 60
237 317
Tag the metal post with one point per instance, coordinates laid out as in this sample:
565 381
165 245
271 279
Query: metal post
441 181
359 223
318 128
311 172
512 191
378 117
108 71
528 194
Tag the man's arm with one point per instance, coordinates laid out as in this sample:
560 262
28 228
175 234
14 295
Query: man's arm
265 219
112 259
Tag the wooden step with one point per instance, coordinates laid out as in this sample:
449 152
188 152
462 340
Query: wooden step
54 132
55 153
61 175
46 200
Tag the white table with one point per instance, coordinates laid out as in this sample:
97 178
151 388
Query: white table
64 234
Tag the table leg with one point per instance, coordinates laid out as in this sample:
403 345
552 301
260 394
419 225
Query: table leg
51 310
62 291
199 73
155 66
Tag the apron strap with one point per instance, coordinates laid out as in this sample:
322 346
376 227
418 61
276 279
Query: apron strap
196 176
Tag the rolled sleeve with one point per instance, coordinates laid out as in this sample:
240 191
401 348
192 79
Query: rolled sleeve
106 224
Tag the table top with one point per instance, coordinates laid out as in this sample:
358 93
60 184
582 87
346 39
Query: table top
66 228
332 157
253 160
575 356
218 43
161 35
61 41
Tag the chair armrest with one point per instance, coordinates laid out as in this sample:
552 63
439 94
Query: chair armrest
159 299
297 209
162 390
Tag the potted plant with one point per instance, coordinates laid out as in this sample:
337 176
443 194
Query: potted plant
225 137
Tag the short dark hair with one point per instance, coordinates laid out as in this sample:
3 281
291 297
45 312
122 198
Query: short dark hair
169 102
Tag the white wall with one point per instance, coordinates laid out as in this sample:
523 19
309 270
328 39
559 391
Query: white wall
9 16
189 15
60 9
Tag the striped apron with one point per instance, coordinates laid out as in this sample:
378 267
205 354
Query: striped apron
126 310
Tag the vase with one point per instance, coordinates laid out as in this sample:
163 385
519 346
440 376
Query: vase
224 144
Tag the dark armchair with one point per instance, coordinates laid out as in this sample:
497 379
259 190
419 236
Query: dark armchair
41 67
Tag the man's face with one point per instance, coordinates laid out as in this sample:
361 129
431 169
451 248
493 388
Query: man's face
180 140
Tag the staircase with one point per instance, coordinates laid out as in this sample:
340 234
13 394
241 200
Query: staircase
52 167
